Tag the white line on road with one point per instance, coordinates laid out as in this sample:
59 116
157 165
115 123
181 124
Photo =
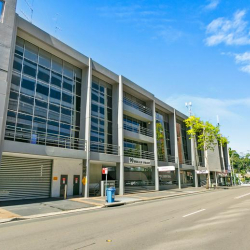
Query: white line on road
194 213
242 196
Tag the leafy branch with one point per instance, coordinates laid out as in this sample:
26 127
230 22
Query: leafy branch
206 134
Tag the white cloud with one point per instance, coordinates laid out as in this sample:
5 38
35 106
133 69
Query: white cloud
209 107
212 5
229 32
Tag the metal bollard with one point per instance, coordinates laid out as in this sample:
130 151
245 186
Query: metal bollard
65 192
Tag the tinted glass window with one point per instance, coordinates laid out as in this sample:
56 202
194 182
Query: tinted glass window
31 52
19 45
17 65
43 74
56 79
29 68
15 82
42 91
55 96
56 64
44 58
28 86
27 99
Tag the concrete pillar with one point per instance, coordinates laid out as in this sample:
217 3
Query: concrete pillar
155 149
7 46
121 136
176 152
87 127
194 162
216 181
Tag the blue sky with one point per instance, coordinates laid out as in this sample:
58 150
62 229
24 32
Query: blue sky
181 51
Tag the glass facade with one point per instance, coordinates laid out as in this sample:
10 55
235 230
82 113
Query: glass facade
129 144
101 114
136 126
44 96
184 140
163 137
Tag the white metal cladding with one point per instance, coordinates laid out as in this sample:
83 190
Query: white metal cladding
24 178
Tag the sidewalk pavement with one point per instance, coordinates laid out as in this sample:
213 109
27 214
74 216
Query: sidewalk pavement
30 209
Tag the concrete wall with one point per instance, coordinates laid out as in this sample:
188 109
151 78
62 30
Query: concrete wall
7 41
214 163
68 167
95 173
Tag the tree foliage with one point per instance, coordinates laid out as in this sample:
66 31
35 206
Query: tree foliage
241 163
206 134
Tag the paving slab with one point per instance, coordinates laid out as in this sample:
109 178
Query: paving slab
44 207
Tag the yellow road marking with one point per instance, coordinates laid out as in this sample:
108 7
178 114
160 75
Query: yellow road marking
87 202
5 214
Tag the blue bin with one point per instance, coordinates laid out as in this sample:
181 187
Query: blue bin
110 194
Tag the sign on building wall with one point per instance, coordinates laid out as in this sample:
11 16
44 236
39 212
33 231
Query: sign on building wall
139 161
166 169
202 171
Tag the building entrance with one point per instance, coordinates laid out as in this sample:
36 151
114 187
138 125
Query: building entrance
138 179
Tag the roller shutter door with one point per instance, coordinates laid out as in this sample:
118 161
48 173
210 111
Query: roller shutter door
24 178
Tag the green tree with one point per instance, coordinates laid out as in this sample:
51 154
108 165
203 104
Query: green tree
205 135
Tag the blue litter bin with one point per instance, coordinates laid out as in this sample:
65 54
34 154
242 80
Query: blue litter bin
110 194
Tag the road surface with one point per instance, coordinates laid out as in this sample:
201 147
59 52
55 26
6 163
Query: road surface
214 220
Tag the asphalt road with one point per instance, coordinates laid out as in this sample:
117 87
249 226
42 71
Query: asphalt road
214 220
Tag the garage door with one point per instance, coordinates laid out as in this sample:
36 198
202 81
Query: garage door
24 178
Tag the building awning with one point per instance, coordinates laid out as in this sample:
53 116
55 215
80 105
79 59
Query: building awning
166 168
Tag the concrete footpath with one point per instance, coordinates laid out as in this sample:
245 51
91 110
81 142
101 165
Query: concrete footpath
30 209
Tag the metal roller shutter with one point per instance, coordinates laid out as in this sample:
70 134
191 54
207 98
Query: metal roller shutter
24 178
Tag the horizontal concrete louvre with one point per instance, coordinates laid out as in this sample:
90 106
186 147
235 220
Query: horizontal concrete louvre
24 178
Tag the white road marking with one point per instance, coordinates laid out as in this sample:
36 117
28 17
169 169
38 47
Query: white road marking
194 213
242 196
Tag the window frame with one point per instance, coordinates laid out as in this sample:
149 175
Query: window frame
2 10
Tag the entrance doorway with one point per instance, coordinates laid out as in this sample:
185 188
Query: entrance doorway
76 185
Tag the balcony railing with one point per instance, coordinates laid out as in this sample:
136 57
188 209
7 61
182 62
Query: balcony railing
104 148
137 129
41 138
170 158
131 152
137 106
187 162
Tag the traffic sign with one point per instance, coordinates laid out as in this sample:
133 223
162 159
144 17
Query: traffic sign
105 171
84 180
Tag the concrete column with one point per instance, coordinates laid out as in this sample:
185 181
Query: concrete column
155 149
194 162
87 127
120 136
7 47
176 152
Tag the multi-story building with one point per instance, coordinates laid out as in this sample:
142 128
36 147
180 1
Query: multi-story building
64 117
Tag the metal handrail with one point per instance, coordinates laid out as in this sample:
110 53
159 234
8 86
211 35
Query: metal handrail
137 129
187 162
35 137
137 106
139 183
104 148
131 152
161 158
171 158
